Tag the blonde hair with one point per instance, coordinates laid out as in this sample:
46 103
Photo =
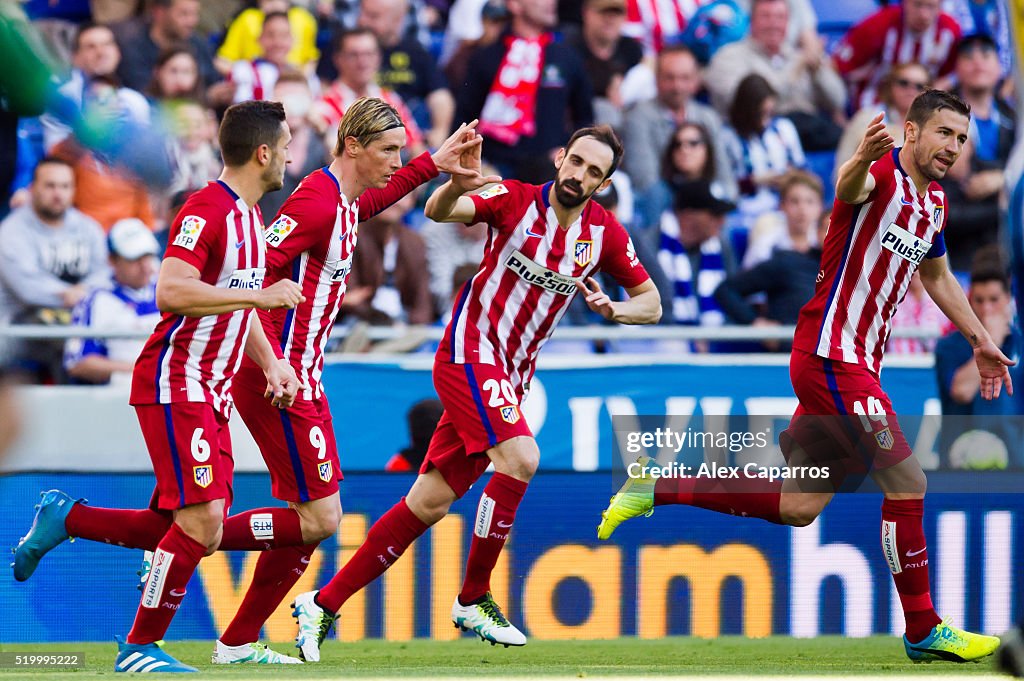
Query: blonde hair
366 120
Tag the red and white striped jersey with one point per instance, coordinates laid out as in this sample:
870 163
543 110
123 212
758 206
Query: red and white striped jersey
656 23
870 254
311 241
872 47
527 278
193 359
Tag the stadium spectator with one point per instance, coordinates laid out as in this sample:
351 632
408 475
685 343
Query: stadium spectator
390 282
973 185
529 91
422 419
94 55
798 220
896 92
493 22
648 126
911 30
50 254
607 54
809 90
803 21
127 302
104 191
658 23
761 146
919 312
175 75
988 17
786 279
408 69
255 79
958 379
694 256
357 56
194 157
307 151
242 41
169 23
449 246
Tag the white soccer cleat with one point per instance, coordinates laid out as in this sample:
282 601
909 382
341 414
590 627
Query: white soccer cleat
486 620
314 625
249 653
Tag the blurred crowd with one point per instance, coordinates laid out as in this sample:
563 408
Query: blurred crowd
734 115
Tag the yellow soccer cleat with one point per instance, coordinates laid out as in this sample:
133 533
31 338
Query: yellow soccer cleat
948 643
636 497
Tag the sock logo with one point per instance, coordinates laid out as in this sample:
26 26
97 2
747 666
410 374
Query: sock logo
262 526
177 593
484 511
892 555
154 591
503 525
911 554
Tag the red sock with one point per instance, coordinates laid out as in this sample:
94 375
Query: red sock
262 529
275 575
176 558
905 550
494 515
124 527
744 496
386 541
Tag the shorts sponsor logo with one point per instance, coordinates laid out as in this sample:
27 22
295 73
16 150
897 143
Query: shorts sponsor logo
510 414
885 439
262 526
538 275
325 471
496 190
279 230
583 252
904 244
892 556
153 592
203 475
188 235
484 511
251 279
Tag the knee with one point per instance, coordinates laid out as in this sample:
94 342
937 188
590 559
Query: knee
203 523
430 511
520 460
324 524
798 512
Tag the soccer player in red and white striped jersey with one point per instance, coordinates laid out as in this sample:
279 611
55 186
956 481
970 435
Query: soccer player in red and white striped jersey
545 245
886 224
311 242
210 281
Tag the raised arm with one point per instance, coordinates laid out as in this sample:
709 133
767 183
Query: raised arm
854 181
448 203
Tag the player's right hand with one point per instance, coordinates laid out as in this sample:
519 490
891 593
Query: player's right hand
993 366
877 141
283 293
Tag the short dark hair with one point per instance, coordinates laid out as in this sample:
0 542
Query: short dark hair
275 15
51 161
339 41
84 28
605 135
929 102
710 169
745 110
246 126
988 265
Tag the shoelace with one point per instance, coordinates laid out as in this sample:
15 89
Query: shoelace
326 623
491 609
947 632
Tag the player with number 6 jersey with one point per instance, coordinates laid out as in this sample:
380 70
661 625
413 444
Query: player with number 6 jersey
545 245
886 224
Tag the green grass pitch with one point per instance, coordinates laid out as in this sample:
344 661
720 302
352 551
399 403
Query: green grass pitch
624 658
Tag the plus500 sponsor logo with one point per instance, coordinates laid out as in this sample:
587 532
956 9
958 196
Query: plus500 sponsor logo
537 275
904 244
247 279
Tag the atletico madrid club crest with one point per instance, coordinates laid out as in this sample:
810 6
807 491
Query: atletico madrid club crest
510 414
583 251
203 475
325 471
884 439
937 216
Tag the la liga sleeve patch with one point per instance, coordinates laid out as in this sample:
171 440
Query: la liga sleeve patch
496 190
279 230
188 234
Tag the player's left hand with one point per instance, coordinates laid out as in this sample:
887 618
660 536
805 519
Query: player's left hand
282 384
597 300
452 157
993 367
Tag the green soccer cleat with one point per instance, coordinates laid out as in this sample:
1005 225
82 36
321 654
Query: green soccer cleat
314 625
636 497
485 619
948 643
250 653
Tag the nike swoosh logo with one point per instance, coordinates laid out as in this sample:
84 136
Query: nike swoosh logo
391 550
176 594
240 244
304 560
911 554
906 203
504 525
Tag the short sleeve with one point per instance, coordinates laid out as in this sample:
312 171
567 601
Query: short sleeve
502 205
619 258
938 248
305 219
883 171
197 231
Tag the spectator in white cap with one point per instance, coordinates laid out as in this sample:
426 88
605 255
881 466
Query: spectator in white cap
126 304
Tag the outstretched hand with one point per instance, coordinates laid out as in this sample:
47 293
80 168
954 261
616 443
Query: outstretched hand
597 300
877 141
993 367
460 157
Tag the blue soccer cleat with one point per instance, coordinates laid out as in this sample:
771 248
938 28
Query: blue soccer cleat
146 658
46 533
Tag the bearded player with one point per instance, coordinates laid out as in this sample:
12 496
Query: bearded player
545 245
886 224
